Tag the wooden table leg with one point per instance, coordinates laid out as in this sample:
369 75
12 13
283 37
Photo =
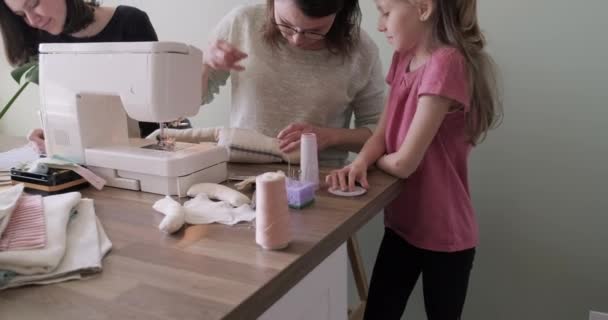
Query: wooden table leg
354 256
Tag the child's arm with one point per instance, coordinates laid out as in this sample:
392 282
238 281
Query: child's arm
344 179
428 118
375 146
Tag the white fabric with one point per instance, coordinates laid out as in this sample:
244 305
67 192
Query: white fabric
219 192
16 158
174 214
245 183
194 135
8 202
87 244
250 146
200 210
244 145
57 211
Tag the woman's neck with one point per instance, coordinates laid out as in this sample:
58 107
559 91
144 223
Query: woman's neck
102 16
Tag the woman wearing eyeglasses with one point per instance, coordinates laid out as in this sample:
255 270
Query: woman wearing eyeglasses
299 66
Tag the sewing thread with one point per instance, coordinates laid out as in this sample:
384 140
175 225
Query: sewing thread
309 163
272 230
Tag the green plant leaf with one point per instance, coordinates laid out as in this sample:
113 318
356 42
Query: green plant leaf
18 72
23 75
32 74
12 100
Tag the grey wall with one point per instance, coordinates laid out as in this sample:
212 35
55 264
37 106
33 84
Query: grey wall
538 182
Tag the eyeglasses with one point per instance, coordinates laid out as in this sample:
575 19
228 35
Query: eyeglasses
291 31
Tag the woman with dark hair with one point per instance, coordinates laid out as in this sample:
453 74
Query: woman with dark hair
25 24
309 68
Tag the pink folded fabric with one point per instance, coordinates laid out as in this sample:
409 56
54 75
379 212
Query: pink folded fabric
26 228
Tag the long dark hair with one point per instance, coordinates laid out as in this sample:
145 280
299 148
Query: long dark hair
343 36
455 24
21 41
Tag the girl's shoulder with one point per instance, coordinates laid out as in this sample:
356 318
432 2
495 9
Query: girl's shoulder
446 74
446 54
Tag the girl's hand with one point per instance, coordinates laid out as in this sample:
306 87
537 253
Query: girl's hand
222 55
36 138
344 179
290 136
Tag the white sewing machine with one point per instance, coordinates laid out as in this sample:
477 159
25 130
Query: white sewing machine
85 90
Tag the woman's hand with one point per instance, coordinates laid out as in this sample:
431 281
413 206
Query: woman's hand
344 179
290 136
222 55
36 138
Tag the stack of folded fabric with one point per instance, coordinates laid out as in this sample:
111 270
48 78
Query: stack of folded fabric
5 179
48 240
12 159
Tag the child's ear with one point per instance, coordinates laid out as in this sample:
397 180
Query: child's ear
426 9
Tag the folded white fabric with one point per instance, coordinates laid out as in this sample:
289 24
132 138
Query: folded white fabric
57 211
244 145
193 135
87 244
200 210
250 146
8 202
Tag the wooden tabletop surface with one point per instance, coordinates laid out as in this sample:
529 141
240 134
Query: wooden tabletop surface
201 272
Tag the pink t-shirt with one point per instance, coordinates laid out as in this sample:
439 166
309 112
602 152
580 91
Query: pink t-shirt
434 210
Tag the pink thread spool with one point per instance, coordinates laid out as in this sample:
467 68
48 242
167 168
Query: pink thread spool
271 212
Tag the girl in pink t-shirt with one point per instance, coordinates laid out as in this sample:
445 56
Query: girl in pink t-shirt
442 102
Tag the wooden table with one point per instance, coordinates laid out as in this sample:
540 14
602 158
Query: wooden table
202 272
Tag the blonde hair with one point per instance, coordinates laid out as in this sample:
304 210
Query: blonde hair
455 24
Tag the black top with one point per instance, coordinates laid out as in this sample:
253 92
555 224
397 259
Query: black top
128 24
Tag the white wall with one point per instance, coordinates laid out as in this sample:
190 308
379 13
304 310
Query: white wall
538 182
182 20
